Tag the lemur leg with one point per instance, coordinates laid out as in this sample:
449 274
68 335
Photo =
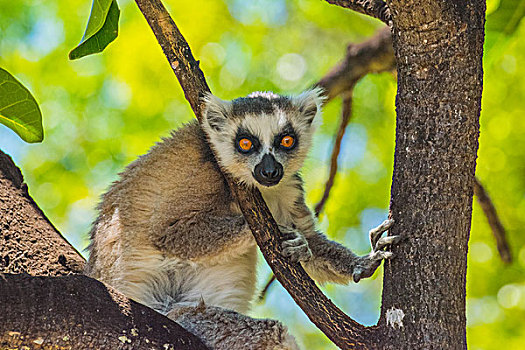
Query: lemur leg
223 329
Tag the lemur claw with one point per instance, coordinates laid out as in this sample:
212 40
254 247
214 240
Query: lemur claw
295 246
367 264
376 233
384 241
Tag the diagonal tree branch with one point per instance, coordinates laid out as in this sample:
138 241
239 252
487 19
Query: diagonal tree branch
374 55
374 8
178 53
340 328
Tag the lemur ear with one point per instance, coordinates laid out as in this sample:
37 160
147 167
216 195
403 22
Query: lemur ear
309 103
216 112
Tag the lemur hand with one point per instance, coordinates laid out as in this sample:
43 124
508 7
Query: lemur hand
366 265
295 245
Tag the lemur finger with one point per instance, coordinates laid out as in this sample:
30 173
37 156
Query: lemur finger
297 254
376 232
381 254
384 241
296 242
368 264
288 232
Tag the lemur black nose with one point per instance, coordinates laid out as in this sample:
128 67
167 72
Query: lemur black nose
269 171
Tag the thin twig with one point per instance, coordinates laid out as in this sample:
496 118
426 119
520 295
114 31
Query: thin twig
494 222
345 118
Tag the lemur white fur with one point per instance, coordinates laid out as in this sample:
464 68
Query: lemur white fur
170 235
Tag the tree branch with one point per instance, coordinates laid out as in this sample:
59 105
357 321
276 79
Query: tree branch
29 242
78 312
178 53
345 119
374 55
374 8
341 329
74 312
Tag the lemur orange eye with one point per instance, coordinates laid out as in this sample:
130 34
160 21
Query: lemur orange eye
245 144
287 141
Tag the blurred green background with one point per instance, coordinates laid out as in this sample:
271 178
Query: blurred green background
102 111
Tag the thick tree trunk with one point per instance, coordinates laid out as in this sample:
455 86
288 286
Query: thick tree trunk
438 47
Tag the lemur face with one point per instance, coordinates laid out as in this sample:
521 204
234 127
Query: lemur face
262 138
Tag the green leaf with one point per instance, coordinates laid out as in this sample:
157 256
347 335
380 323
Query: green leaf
19 109
102 29
507 17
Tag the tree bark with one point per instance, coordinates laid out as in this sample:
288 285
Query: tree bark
78 312
30 243
438 47
70 312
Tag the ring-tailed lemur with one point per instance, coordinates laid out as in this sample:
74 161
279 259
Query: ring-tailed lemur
170 234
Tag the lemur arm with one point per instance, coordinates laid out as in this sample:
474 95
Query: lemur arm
333 262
